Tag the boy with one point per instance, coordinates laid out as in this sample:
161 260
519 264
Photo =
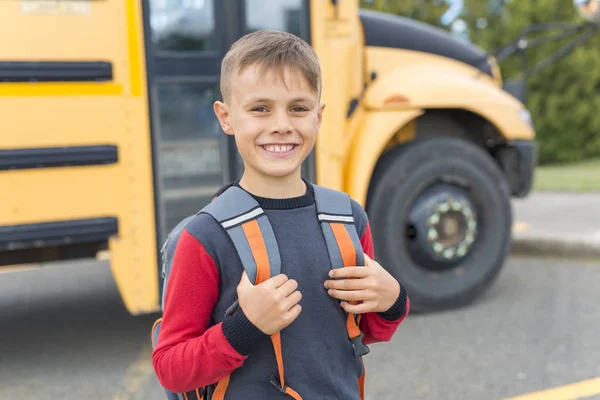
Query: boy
271 89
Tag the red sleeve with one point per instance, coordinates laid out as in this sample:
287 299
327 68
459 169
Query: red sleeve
375 328
189 353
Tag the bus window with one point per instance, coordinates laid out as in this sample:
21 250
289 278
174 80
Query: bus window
189 137
282 15
183 25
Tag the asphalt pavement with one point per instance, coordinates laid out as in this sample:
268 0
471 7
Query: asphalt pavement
65 335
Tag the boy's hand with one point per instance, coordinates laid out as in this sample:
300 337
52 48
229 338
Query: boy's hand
373 285
271 305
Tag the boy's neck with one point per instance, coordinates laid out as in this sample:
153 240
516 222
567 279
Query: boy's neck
274 187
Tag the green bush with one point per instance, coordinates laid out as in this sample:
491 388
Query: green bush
563 97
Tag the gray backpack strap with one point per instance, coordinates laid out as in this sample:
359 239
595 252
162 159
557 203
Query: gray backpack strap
335 208
240 215
168 250
236 211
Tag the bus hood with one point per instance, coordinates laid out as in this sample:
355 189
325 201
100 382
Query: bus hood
387 30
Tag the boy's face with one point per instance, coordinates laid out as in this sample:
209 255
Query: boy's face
275 124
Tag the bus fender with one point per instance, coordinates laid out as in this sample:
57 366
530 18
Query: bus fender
377 129
402 89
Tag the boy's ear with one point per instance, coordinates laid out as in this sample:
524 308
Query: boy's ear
320 114
223 115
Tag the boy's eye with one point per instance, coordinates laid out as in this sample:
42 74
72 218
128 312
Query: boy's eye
299 109
259 109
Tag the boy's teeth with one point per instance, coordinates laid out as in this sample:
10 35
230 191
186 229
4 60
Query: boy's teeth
275 148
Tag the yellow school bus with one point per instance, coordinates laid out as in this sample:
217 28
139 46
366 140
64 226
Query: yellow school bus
109 139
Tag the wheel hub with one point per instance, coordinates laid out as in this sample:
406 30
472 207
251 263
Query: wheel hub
442 226
451 228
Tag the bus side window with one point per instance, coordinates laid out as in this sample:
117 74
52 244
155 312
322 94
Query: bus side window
282 15
190 164
183 25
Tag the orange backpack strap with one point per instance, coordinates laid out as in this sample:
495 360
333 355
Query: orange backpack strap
248 227
334 210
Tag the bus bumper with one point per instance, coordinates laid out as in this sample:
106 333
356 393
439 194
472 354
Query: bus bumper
518 161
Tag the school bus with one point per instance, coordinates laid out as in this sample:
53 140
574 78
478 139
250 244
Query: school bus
109 139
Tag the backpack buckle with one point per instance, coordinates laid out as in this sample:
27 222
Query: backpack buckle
232 308
360 349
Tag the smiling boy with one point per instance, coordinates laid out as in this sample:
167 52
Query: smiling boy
271 91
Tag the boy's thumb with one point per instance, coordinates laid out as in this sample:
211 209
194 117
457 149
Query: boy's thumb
245 281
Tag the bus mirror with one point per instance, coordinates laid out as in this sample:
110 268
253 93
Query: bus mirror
589 10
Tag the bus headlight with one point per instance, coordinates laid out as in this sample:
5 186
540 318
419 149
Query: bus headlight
525 116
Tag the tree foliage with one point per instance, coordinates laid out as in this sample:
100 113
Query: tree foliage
429 11
563 97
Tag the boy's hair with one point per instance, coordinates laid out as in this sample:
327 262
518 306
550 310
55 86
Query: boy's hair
272 51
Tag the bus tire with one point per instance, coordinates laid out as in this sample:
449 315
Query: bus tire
441 218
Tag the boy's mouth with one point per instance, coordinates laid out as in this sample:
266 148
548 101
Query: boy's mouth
279 148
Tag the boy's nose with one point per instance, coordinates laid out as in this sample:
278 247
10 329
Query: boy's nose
282 124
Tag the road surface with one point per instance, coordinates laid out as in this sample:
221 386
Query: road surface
65 335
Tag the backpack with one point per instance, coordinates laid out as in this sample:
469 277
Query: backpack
248 227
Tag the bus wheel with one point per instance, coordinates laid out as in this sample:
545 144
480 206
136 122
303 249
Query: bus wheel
441 218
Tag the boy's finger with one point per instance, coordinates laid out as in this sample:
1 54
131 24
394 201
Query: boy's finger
368 260
276 281
288 287
348 295
345 284
361 308
292 300
349 272
294 312
244 279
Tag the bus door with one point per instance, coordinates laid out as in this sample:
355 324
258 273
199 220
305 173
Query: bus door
185 43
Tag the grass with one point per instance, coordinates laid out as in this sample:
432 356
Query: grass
576 177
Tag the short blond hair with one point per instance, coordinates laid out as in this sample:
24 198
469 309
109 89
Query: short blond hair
272 51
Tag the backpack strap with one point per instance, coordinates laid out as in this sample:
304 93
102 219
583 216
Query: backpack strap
248 227
167 251
334 210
